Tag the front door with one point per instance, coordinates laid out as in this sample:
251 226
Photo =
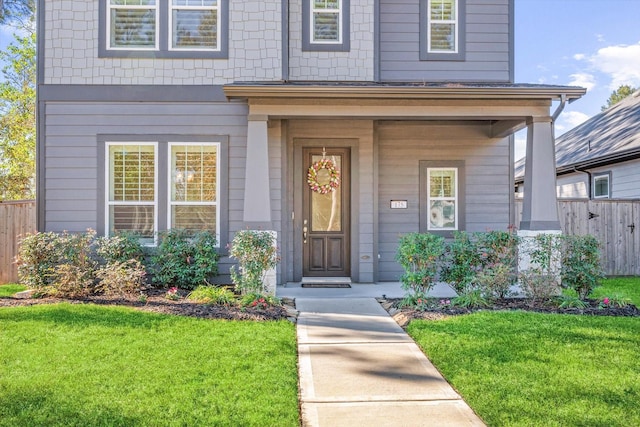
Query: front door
326 207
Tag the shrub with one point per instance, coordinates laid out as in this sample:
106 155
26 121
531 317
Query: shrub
256 254
541 280
581 269
570 299
121 278
185 260
614 300
471 298
461 261
259 301
212 295
419 254
121 247
38 256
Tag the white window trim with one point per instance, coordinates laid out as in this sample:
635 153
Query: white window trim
596 177
443 21
173 7
313 10
111 6
455 198
171 203
108 203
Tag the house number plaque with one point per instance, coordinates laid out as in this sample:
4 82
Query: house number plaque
398 204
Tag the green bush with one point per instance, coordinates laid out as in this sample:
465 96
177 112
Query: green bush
38 256
120 248
212 295
121 278
581 269
541 280
259 301
256 254
462 261
419 255
185 260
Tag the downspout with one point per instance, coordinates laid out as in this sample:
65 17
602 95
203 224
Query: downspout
575 169
285 40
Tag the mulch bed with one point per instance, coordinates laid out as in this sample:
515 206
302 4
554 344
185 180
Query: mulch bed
405 315
157 303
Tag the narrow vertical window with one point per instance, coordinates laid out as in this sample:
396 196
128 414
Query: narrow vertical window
601 185
442 198
193 187
195 24
326 21
132 189
132 24
443 26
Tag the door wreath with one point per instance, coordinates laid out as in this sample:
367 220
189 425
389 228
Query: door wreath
334 176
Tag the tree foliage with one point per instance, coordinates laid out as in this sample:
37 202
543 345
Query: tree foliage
18 14
17 119
618 95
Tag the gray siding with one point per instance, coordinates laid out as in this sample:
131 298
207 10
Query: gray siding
403 145
487 49
625 181
71 157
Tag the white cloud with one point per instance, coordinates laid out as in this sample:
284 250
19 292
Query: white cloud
585 80
568 120
621 63
579 56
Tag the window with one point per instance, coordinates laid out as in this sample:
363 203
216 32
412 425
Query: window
163 28
325 25
152 183
601 186
194 186
441 197
442 29
131 193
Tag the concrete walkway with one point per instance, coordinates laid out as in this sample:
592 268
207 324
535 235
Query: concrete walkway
357 367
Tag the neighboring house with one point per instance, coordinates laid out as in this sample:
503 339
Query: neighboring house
208 114
599 159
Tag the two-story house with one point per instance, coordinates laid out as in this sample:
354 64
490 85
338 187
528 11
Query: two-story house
338 124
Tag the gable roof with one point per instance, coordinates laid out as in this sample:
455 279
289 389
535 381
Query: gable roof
611 136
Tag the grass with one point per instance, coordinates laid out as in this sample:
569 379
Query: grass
625 286
11 289
532 369
80 365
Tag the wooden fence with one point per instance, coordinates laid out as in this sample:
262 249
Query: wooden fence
615 223
16 219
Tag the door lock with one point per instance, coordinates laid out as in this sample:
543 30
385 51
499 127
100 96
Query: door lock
304 234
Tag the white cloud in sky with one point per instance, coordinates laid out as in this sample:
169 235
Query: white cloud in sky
579 56
584 80
621 63
574 118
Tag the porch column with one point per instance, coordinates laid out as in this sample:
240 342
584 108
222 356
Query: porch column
257 198
539 205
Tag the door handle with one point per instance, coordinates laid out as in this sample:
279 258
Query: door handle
304 234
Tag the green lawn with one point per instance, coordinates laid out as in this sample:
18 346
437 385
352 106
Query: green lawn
624 286
10 289
531 369
86 365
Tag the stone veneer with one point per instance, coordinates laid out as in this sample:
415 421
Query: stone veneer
71 50
355 65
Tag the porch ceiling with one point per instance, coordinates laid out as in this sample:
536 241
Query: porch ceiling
507 107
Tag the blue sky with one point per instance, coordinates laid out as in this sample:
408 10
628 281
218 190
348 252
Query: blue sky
590 43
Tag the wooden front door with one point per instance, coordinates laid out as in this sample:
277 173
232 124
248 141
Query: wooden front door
325 221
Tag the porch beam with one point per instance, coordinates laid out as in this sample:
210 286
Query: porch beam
539 205
504 128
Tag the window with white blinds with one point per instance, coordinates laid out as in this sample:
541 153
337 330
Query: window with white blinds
133 24
443 24
442 198
194 24
194 186
164 28
326 19
132 189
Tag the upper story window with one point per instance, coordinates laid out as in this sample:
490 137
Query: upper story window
442 30
164 28
602 186
325 25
